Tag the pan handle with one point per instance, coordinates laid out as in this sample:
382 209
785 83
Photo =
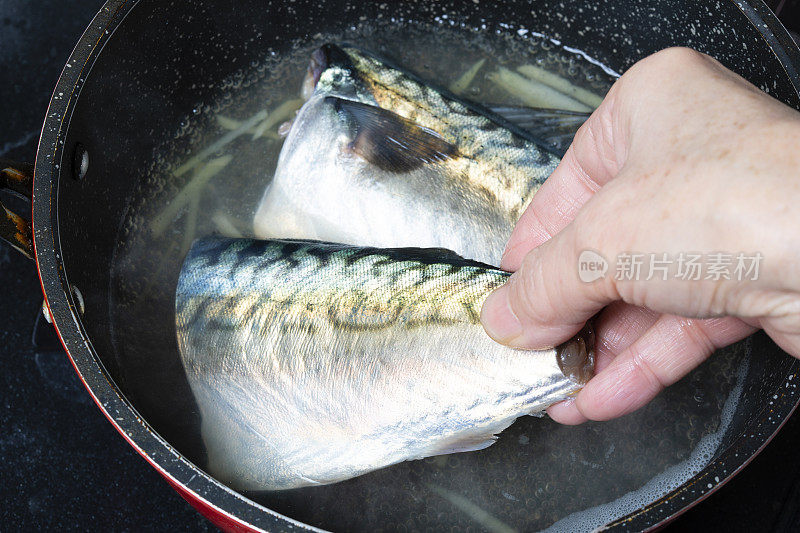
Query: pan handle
15 230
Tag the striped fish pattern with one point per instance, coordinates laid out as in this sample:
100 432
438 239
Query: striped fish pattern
376 157
314 362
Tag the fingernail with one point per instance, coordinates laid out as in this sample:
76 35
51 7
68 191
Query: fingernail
498 319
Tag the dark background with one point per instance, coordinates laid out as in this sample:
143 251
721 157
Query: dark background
63 466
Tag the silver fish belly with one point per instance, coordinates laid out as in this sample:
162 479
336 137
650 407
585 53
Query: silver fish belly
377 158
312 363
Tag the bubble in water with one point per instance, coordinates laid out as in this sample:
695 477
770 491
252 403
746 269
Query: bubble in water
666 482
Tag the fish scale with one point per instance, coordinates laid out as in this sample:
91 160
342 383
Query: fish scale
376 157
315 362
523 166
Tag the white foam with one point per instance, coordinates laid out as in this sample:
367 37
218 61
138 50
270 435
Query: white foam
664 483
590 59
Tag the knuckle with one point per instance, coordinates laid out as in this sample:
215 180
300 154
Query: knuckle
660 74
597 142
531 296
744 301
784 306
591 234
716 300
641 366
698 342
676 57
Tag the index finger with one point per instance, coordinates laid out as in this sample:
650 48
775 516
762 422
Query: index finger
590 162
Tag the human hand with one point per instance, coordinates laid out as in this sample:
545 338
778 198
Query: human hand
683 156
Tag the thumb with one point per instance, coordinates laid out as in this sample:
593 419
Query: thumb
545 302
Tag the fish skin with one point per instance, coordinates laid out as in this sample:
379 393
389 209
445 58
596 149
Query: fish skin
469 203
312 362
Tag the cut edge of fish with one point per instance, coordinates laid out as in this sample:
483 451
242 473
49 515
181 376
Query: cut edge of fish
576 357
316 65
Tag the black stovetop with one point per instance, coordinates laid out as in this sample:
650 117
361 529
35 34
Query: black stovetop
63 466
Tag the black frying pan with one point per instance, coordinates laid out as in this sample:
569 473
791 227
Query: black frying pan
141 69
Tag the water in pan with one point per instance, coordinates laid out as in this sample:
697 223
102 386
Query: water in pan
210 179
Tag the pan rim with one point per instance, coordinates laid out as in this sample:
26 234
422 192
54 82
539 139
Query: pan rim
191 482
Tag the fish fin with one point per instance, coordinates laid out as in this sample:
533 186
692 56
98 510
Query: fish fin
427 256
554 127
470 445
389 141
474 440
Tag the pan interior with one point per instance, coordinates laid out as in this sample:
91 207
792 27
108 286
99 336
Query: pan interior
178 154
